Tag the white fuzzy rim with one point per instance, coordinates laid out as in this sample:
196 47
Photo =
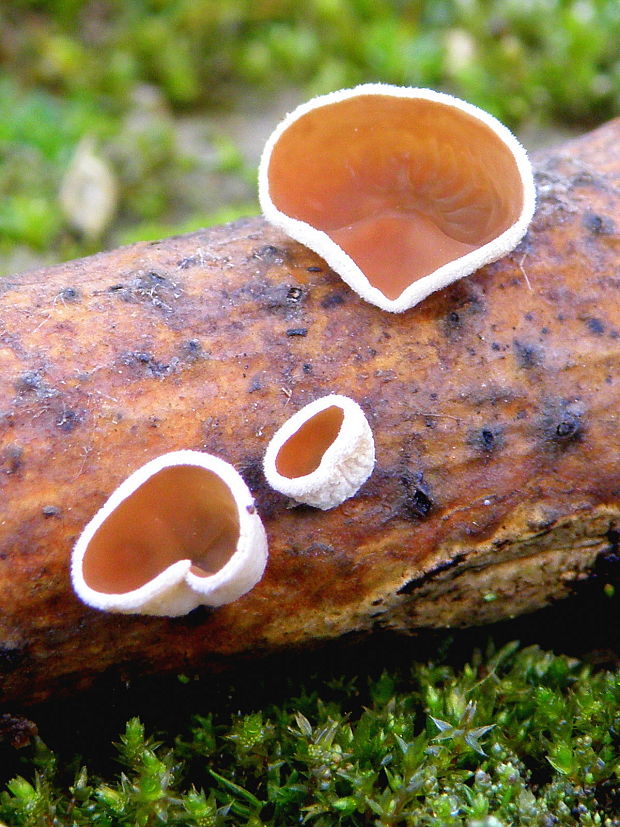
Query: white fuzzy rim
341 262
176 590
345 465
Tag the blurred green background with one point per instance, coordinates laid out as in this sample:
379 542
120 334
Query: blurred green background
133 119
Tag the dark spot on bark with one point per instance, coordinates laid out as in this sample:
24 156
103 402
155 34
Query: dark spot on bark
69 420
266 499
544 331
255 384
467 299
333 300
190 261
595 326
313 550
414 584
147 362
314 269
486 440
31 382
416 500
567 429
563 421
12 459
282 296
294 294
528 317
70 294
51 511
192 350
271 254
598 224
16 730
496 346
528 355
297 331
307 368
151 288
433 396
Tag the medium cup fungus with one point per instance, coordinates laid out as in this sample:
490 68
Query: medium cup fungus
322 454
181 531
401 190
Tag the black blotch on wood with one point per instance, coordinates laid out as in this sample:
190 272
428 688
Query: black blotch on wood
528 355
69 420
595 326
416 502
333 300
487 439
598 224
416 582
282 296
271 254
12 459
563 422
192 350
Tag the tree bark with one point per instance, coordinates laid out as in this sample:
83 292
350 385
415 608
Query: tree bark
495 406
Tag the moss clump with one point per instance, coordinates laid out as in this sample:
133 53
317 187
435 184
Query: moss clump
519 737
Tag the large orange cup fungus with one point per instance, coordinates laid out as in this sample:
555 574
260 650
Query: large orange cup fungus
181 531
322 454
401 190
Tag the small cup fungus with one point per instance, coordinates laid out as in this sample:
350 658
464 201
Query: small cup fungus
401 190
181 531
322 454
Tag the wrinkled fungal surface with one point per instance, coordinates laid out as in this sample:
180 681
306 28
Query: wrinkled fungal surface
182 512
402 190
302 453
494 406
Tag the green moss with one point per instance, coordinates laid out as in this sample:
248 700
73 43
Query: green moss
518 737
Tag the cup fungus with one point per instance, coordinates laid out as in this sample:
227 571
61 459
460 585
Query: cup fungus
181 531
322 454
401 190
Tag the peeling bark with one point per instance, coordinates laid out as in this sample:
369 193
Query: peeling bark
494 404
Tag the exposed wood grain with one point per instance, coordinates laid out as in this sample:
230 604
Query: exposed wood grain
494 403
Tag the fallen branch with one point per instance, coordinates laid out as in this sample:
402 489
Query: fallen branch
494 406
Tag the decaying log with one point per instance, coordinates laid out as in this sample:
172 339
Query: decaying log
495 406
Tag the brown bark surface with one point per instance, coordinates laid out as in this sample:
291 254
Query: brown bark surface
494 404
